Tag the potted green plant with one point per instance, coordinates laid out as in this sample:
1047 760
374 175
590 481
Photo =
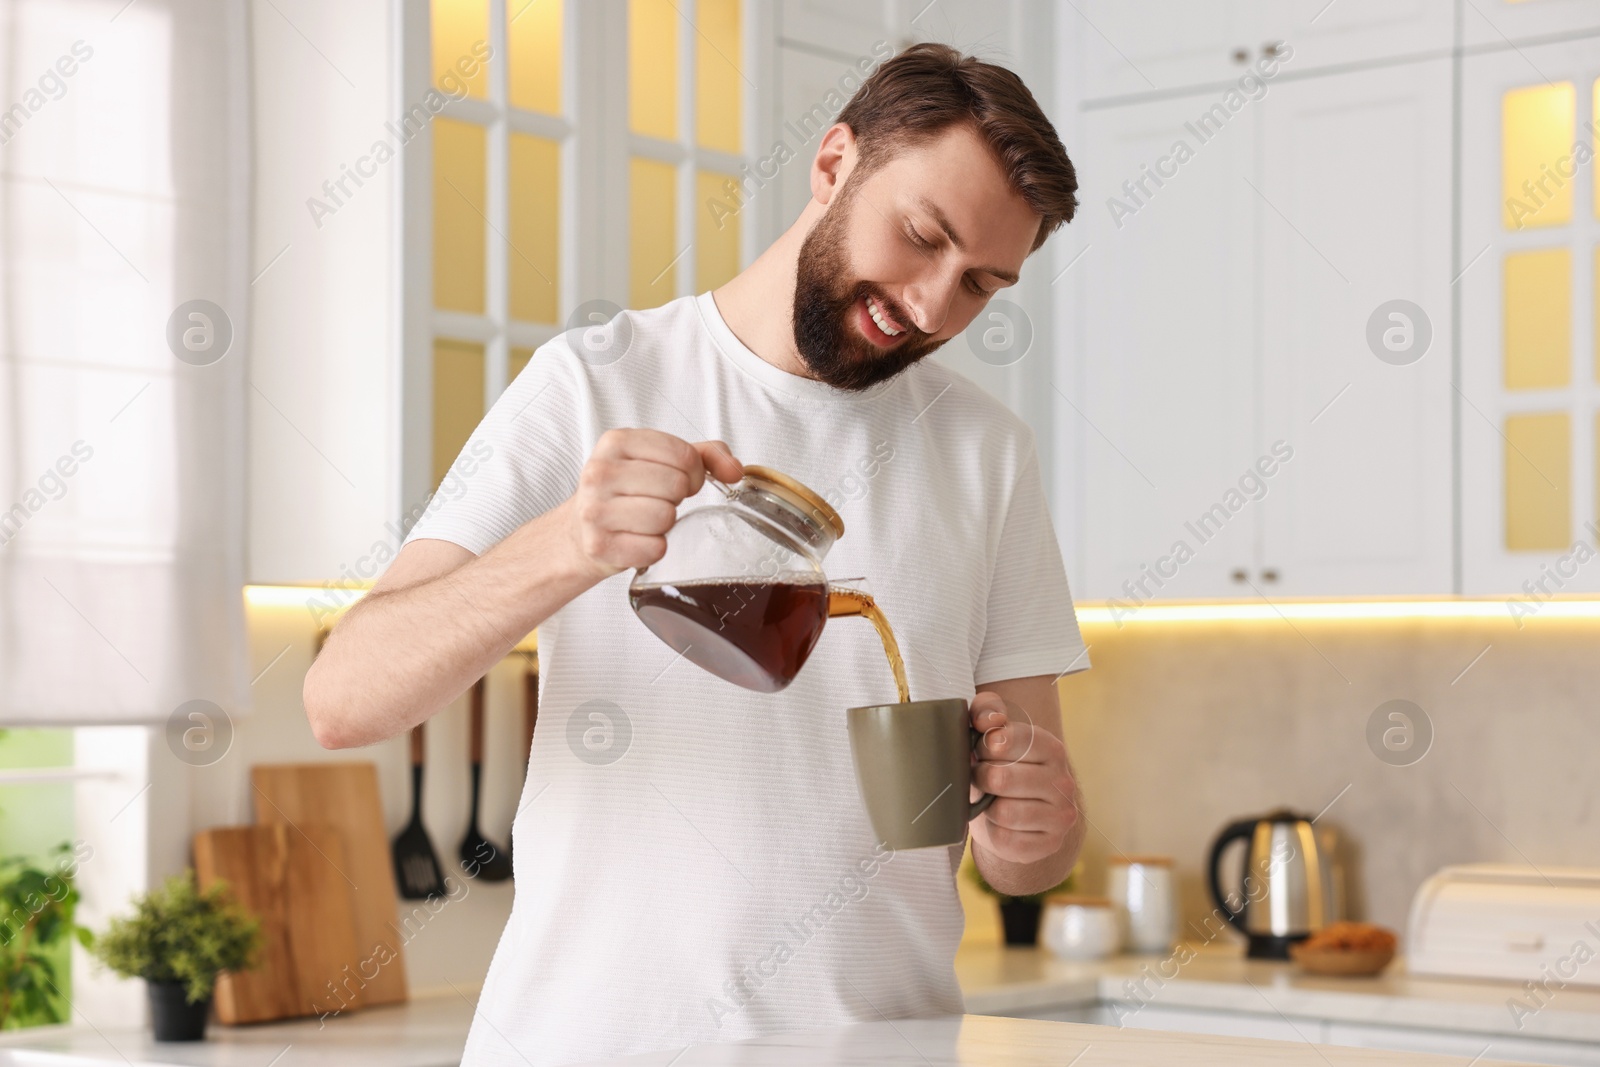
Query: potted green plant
178 940
1019 916
36 912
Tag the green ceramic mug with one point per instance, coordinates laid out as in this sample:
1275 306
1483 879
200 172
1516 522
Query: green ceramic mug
914 768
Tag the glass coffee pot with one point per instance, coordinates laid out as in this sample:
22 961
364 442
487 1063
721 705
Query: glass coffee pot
741 591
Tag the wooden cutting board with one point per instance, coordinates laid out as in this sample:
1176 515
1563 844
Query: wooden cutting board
289 878
344 796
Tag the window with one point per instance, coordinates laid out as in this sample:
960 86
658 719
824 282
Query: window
542 197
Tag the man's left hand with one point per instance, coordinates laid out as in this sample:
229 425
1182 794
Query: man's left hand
1036 797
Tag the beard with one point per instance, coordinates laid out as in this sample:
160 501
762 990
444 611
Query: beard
825 296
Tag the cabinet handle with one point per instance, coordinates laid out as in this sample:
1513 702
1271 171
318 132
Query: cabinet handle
1239 575
1272 49
1241 56
1269 575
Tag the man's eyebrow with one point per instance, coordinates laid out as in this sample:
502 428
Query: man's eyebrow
1009 277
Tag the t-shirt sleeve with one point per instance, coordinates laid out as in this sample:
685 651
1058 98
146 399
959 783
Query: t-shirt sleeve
522 460
1032 628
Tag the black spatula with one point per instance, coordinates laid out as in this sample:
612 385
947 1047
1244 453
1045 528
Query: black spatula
480 857
416 868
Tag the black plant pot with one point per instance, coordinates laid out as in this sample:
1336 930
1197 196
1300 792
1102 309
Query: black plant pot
1021 921
172 1017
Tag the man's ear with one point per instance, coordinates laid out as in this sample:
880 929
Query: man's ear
835 159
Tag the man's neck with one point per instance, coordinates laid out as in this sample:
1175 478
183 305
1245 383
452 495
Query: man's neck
758 303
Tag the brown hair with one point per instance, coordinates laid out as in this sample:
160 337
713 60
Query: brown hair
930 87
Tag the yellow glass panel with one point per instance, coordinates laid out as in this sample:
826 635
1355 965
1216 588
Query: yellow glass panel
717 79
458 376
653 68
533 37
1536 132
516 362
1538 483
458 215
716 230
461 47
1538 319
534 257
652 233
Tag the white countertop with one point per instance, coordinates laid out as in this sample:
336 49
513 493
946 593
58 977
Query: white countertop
984 1041
427 1032
999 980
430 1031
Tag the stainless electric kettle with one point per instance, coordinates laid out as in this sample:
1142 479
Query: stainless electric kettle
1291 885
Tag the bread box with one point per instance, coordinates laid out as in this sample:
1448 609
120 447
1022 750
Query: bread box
1490 920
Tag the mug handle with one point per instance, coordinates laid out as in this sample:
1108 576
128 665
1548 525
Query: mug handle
981 805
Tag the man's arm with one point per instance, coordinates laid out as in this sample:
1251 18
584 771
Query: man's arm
1030 837
440 616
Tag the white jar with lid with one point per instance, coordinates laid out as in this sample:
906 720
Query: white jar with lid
1080 928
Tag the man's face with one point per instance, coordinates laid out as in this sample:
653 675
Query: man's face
905 257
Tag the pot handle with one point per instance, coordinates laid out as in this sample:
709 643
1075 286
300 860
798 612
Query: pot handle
1243 829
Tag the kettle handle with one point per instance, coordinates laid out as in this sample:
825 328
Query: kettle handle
1242 829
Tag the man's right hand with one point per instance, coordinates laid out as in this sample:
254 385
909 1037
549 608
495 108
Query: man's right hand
629 492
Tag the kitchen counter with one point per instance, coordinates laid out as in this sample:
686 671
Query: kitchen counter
431 1030
427 1032
982 1041
1023 981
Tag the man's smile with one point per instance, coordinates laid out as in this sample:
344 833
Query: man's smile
876 324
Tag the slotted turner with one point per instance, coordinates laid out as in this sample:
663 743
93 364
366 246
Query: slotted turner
480 857
416 868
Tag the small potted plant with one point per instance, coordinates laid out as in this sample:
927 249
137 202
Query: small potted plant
1019 916
178 940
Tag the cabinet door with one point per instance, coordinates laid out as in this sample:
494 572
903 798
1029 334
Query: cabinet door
846 28
1323 33
1166 354
1354 210
1530 366
1126 49
1493 23
1218 1023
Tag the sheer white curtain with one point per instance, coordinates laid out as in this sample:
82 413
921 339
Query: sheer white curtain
123 195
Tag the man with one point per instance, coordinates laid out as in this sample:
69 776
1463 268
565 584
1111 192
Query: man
693 861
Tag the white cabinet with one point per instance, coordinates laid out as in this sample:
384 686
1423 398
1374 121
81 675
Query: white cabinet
1354 214
1242 436
1126 49
1166 354
1499 23
1530 384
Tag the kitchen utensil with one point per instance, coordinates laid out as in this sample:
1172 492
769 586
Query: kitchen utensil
740 590
1286 885
1141 890
293 880
480 857
416 867
1080 927
344 795
914 768
1509 922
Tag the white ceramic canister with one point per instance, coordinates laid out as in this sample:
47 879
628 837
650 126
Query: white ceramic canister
1080 928
1142 890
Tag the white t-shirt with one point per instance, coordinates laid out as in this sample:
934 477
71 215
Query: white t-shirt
693 861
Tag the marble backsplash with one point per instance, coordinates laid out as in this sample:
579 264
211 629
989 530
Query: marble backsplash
1183 726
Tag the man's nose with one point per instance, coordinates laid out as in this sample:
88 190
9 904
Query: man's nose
928 299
